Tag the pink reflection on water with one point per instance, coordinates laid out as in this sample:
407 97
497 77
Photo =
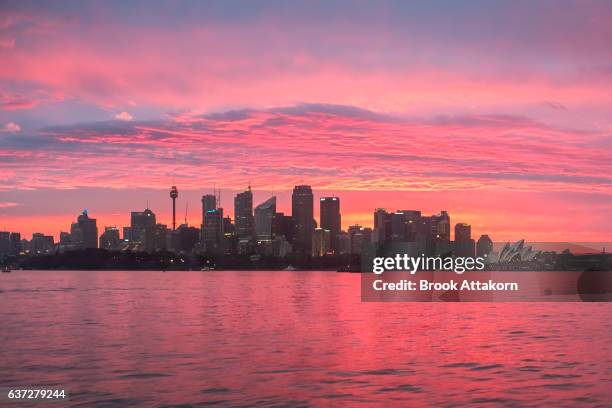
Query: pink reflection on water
303 338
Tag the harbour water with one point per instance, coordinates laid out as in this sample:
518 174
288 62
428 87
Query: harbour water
290 339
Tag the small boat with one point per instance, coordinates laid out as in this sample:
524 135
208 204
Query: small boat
207 268
6 269
290 268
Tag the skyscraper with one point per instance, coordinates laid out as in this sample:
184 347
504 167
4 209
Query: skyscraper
127 234
423 235
264 219
440 225
283 226
404 225
463 232
76 236
382 227
213 231
15 243
321 242
110 238
142 225
160 237
229 236
302 213
5 243
243 215
358 238
89 230
209 202
464 244
331 219
441 232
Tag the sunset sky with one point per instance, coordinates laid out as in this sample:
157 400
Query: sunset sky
498 112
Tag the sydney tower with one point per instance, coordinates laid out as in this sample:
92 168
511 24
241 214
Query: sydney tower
173 195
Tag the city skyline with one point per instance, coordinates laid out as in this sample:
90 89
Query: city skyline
103 105
248 225
258 230
118 211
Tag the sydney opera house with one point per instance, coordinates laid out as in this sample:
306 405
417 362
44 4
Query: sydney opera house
513 253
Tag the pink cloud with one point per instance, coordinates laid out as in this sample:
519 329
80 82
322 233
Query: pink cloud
12 127
125 116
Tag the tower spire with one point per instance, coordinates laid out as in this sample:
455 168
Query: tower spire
174 196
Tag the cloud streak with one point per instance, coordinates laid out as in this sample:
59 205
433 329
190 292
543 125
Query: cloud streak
333 147
503 57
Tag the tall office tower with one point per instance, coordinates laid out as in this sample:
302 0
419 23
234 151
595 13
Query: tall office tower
127 234
321 242
89 230
15 243
76 236
283 226
463 232
5 243
264 220
160 237
303 225
209 202
404 225
229 236
464 244
212 231
243 215
109 239
142 224
484 246
423 235
358 238
441 227
174 196
331 219
382 226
